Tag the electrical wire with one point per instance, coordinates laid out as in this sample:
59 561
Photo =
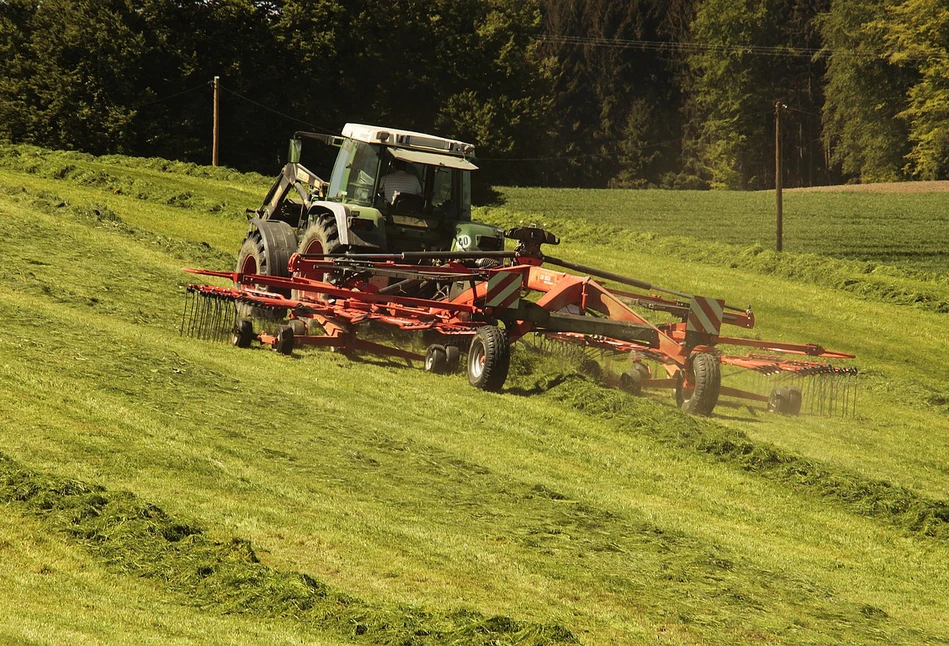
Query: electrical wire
700 48
269 109
171 96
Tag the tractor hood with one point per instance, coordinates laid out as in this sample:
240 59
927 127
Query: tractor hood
431 159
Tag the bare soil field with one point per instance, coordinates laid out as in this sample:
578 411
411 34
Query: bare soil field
939 186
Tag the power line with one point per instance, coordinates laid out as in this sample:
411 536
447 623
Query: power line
284 115
172 96
701 48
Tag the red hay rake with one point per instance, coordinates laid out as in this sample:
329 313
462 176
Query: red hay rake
477 304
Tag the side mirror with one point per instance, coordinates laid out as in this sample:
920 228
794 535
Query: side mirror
296 150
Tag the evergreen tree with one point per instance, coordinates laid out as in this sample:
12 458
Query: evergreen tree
864 94
615 94
750 54
917 33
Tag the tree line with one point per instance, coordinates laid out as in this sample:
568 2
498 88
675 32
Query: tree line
593 93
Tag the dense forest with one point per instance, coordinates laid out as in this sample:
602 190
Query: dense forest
672 93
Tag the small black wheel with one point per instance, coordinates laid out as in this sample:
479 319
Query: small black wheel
452 357
243 333
298 327
794 400
705 372
489 358
436 360
631 381
591 368
284 344
785 400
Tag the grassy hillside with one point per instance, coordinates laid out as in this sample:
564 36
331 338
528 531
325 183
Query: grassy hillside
162 489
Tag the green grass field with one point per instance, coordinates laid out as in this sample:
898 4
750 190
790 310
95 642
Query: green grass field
908 230
162 489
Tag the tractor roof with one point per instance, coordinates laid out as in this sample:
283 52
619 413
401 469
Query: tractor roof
407 139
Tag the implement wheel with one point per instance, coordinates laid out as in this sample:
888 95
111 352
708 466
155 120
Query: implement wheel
243 333
452 357
284 343
436 361
489 358
631 381
785 400
705 376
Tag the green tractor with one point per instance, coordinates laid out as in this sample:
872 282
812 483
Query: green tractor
390 191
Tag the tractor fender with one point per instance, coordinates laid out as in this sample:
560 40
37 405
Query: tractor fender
280 242
335 210
370 233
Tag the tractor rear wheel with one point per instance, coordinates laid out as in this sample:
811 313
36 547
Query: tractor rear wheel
489 358
321 237
705 377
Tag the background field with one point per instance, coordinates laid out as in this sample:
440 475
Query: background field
160 489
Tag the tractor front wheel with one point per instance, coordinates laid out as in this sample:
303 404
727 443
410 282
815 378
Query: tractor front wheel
699 393
256 257
489 358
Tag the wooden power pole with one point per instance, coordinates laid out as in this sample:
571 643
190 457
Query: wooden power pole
214 145
778 172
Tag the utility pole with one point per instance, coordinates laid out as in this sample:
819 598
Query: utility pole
778 172
217 84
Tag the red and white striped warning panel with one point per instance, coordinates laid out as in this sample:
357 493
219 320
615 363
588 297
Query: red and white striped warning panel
705 315
504 289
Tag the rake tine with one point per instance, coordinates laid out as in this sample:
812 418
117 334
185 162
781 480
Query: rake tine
218 316
184 312
193 313
196 321
212 323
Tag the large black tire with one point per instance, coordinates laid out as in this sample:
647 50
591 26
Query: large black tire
267 248
321 237
489 358
705 372
268 258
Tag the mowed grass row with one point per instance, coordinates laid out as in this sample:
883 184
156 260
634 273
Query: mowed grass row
553 509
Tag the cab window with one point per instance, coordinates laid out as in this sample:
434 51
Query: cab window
354 176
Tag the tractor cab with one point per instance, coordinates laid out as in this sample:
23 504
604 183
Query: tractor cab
420 184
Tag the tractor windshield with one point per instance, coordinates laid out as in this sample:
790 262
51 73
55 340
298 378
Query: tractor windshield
441 192
354 176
